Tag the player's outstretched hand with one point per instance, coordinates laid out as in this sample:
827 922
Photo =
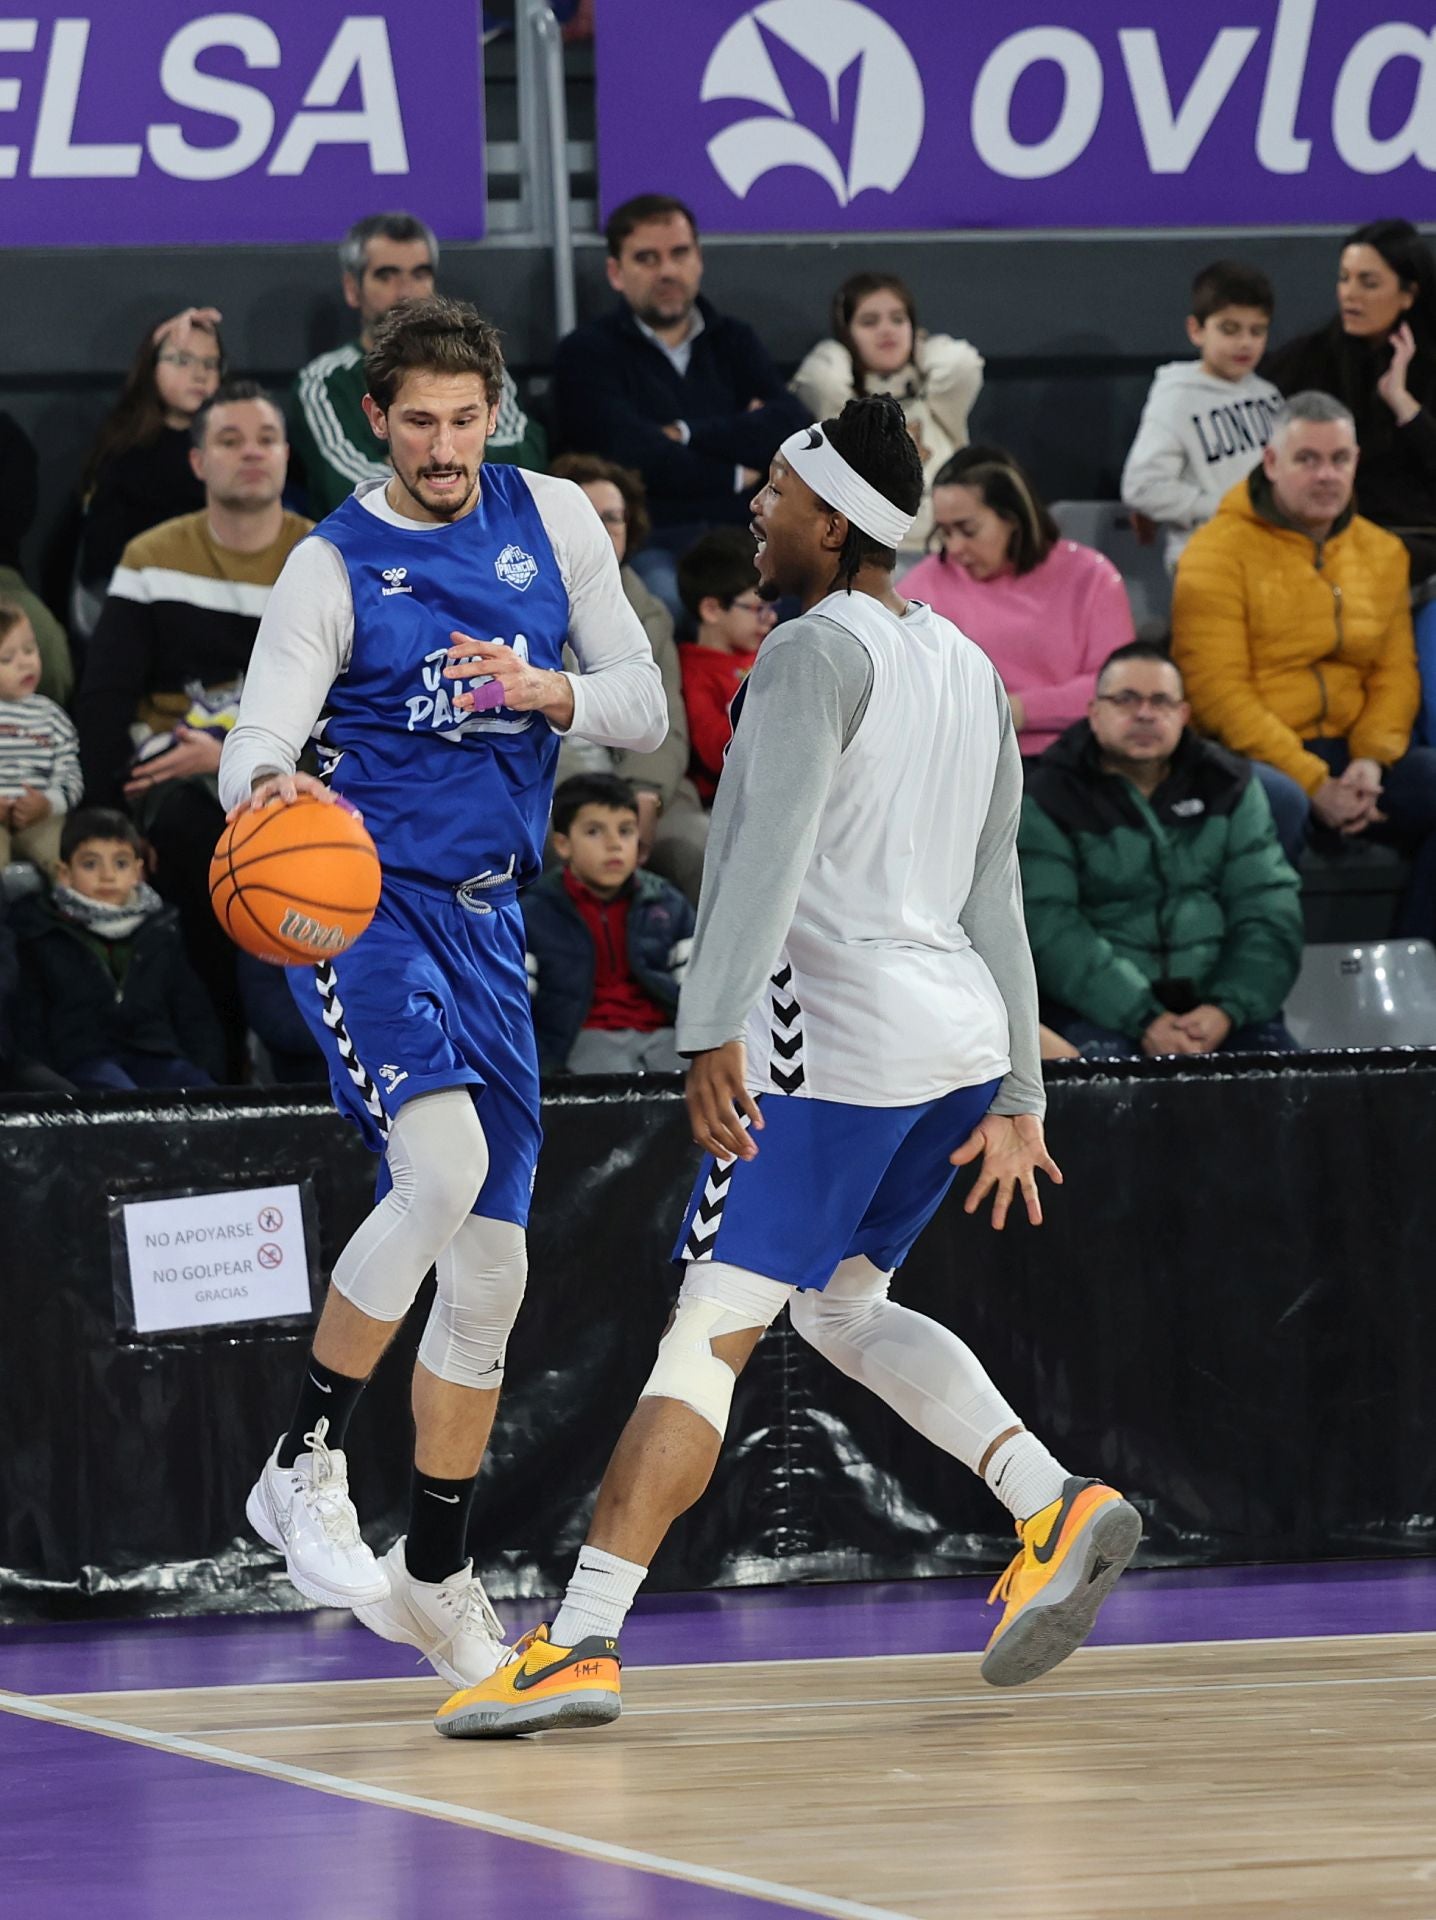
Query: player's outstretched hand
719 1100
285 788
509 681
1011 1148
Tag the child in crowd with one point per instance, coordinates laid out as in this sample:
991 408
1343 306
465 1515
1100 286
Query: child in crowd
39 750
607 942
878 347
108 995
1206 421
718 585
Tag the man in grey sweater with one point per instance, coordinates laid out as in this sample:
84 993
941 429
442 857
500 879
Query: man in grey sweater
860 1013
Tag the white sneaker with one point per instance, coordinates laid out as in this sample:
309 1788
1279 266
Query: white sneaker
452 1624
305 1513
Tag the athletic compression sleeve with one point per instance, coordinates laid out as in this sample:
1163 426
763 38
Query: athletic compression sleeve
302 646
802 703
618 698
993 921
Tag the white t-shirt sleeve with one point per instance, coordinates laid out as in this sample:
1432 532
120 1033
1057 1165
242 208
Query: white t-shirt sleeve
303 645
618 698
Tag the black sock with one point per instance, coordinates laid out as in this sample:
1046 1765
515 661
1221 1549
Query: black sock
438 1526
323 1395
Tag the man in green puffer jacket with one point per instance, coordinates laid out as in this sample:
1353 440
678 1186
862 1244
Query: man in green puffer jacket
1163 916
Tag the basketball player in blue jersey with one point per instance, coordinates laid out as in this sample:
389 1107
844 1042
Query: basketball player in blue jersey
860 1011
416 636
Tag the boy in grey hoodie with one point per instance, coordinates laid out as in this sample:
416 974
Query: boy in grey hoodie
1206 421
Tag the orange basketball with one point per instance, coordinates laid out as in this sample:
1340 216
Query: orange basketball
295 883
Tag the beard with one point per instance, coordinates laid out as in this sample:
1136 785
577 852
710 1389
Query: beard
449 508
657 317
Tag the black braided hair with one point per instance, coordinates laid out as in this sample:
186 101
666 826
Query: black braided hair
871 434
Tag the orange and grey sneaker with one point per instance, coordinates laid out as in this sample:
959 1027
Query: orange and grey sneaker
539 1686
1072 1553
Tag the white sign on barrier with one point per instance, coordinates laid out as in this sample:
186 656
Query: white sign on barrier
212 1258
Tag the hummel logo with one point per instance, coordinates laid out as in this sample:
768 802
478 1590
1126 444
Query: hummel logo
395 578
449 1499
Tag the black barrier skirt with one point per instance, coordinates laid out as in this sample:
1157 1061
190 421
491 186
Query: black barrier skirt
1228 1314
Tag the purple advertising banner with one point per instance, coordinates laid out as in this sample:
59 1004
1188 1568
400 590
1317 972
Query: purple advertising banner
802 115
161 123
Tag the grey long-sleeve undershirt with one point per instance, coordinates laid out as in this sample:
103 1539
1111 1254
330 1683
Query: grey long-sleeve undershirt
803 703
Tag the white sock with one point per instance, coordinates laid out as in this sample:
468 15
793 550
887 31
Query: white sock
599 1595
1024 1475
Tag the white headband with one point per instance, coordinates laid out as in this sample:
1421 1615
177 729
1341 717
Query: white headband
815 459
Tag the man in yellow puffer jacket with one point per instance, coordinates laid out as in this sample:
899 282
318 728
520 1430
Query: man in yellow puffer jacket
1292 627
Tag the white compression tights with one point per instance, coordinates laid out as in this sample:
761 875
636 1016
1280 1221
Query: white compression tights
923 1371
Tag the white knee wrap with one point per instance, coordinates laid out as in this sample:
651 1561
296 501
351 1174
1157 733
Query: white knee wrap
714 1299
857 1286
481 1278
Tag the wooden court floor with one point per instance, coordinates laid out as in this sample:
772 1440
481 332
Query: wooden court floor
1235 1779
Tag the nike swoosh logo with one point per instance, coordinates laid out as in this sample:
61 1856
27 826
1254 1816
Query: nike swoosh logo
1045 1552
321 1386
449 1499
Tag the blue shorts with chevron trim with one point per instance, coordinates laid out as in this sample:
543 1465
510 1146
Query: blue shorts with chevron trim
830 1181
434 994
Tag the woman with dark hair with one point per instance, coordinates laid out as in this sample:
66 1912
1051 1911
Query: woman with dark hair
1378 357
1046 611
672 824
138 473
878 347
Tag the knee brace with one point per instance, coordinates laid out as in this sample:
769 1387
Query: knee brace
481 1278
714 1299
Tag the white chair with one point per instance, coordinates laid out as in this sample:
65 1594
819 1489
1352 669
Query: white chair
1381 995
1107 526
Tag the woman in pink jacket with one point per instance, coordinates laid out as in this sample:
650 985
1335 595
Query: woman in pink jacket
1045 611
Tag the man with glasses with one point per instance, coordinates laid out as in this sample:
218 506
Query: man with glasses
385 258
1163 916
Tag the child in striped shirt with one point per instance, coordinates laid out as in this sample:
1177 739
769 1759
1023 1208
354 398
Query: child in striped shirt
39 750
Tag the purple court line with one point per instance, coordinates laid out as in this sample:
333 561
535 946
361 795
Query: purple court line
1161 1607
99 1824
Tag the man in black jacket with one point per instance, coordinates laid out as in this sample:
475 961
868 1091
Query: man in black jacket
668 385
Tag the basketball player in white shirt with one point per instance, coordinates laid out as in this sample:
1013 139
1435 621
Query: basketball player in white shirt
860 1011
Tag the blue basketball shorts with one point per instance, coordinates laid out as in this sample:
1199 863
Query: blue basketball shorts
434 994
830 1181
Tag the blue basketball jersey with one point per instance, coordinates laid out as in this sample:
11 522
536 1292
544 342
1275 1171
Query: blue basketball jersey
448 796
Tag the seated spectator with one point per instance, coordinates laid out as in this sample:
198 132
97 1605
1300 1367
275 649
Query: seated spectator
139 472
19 1073
1378 358
672 825
607 942
1291 624
19 498
1045 611
39 751
718 583
1206 420
385 258
106 988
161 683
1162 914
669 386
878 347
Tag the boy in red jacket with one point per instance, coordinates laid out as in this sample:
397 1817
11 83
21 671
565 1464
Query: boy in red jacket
718 584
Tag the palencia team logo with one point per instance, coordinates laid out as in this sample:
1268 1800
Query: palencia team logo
516 568
795 57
